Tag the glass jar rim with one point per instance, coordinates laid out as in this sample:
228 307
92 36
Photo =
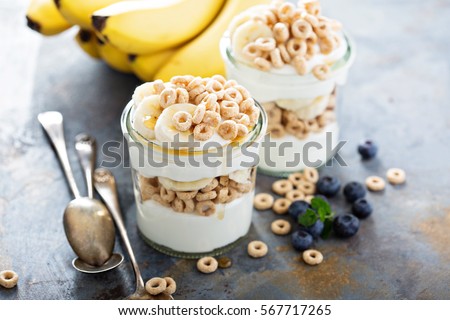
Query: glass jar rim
127 129
337 66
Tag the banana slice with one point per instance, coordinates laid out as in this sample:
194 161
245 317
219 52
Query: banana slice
143 91
248 32
244 17
305 108
146 116
173 185
240 176
165 131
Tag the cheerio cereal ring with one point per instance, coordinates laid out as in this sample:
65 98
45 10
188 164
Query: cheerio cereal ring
242 130
307 187
280 227
167 97
251 51
312 257
182 120
311 174
8 279
228 130
232 94
182 81
262 64
396 176
155 286
257 249
295 178
321 71
282 187
296 47
299 64
263 201
158 86
205 208
375 183
265 43
281 206
207 265
203 132
244 92
275 57
171 286
229 109
301 29
242 118
199 113
211 118
280 32
182 95
295 195
284 53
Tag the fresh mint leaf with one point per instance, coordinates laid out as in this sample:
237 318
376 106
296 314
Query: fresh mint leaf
322 214
317 203
327 227
308 218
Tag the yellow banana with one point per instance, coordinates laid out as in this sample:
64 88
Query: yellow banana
44 17
79 11
88 42
201 57
143 27
113 57
146 66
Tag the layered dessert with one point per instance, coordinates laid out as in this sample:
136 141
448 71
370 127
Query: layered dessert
194 182
291 58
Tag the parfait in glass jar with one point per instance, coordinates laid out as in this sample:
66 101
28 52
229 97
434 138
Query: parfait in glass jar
291 58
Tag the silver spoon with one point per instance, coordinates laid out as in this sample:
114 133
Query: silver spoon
105 184
87 223
86 148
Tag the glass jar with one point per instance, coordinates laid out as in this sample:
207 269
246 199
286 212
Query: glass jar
192 202
301 111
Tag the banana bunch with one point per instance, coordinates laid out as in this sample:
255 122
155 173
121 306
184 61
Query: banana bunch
150 38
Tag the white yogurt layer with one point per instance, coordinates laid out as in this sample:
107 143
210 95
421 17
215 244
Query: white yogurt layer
191 233
289 154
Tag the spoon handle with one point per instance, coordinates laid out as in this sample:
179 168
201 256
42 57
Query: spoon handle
52 122
86 149
105 185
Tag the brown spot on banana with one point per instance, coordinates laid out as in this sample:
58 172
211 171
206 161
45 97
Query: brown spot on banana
99 23
33 25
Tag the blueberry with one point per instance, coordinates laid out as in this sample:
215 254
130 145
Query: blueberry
354 191
315 230
368 149
297 208
328 186
301 240
345 225
362 208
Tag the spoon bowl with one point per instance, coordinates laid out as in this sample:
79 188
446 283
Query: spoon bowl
113 262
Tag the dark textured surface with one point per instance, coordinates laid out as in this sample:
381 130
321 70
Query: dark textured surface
397 94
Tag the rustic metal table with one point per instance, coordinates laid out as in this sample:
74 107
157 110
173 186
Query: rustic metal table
397 94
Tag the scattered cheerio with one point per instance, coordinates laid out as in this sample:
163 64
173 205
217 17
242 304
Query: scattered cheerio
312 257
155 286
263 201
207 265
257 249
281 227
396 176
282 187
281 205
374 183
8 279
